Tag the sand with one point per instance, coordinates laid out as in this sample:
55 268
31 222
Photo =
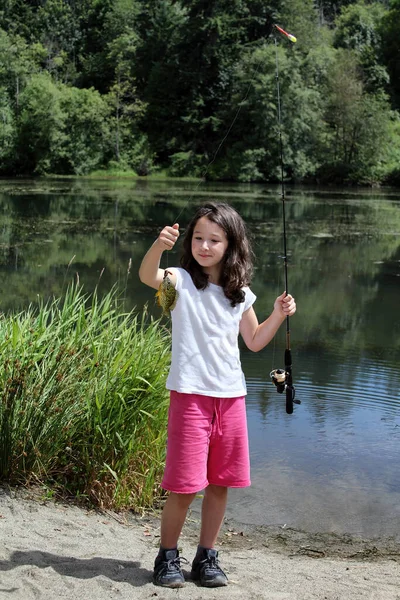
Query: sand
52 550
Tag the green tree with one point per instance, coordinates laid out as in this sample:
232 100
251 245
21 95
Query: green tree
193 49
59 32
40 125
390 34
358 134
329 10
7 132
129 144
85 137
253 147
95 70
17 17
57 25
358 29
185 85
299 17
18 61
159 75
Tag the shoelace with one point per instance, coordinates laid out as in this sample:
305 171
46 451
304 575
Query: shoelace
175 563
211 562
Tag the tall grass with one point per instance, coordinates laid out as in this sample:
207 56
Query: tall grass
84 404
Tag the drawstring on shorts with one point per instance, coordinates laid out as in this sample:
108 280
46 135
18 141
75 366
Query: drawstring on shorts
216 420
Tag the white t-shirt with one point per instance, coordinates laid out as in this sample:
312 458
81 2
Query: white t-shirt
205 351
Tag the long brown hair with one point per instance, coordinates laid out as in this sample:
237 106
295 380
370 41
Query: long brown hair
237 263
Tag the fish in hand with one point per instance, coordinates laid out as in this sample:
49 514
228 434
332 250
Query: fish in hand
167 294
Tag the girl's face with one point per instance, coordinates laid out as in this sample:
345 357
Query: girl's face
209 244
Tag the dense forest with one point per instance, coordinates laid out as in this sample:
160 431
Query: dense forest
189 88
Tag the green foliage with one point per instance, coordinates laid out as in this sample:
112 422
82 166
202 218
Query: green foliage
250 164
86 132
300 18
7 131
59 32
186 163
130 145
190 87
84 404
359 133
255 156
41 125
357 29
61 129
329 10
390 34
194 50
390 168
18 61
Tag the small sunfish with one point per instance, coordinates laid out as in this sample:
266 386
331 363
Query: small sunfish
167 295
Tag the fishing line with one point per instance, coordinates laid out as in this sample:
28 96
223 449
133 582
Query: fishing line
282 378
241 104
222 142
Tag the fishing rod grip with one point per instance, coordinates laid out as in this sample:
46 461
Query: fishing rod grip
290 392
288 358
289 399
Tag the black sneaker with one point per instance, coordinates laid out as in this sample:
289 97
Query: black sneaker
206 569
167 569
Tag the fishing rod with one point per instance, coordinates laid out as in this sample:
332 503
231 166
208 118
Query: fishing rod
282 378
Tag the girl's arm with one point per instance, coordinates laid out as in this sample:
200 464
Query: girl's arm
149 271
257 335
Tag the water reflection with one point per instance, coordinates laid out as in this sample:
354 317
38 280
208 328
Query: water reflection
333 465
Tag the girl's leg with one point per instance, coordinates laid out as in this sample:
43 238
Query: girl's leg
167 569
205 567
212 514
173 517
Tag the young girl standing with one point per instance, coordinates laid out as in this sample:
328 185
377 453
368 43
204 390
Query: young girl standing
207 430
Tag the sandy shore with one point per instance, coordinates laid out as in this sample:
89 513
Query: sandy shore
54 550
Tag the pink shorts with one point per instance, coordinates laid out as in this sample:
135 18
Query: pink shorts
207 443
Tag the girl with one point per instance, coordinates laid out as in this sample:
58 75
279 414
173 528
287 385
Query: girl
207 429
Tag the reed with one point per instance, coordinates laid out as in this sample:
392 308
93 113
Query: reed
84 404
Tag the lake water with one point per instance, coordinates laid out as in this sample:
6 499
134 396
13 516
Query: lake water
334 464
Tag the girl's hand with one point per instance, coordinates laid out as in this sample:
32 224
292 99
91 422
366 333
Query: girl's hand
168 236
285 305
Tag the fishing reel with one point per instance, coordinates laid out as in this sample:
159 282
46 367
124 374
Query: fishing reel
278 377
282 381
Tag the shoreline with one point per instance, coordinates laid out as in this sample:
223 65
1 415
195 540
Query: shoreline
58 550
